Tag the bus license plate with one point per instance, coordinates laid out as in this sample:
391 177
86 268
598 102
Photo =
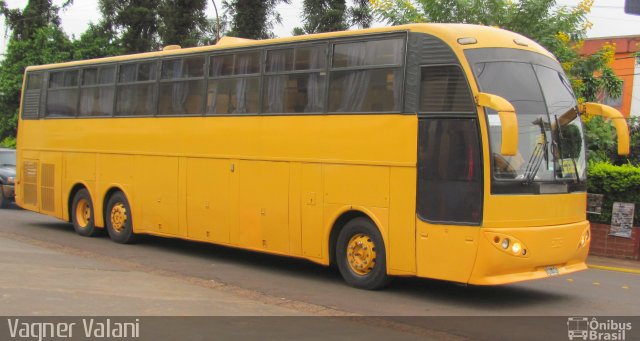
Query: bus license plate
551 270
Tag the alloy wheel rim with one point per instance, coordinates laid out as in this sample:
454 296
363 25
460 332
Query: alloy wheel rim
361 254
83 213
118 217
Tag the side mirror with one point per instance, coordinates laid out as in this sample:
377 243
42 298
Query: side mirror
616 117
508 121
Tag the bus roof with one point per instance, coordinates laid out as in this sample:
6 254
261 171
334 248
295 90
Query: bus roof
450 33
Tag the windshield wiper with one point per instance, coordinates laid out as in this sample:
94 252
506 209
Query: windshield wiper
534 163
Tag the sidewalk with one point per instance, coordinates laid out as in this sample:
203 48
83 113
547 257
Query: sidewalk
613 264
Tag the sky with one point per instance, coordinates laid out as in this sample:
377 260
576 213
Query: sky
607 16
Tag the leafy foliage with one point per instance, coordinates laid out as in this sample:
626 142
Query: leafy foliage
618 184
49 45
558 28
36 14
182 22
96 42
601 141
333 15
136 22
253 19
8 142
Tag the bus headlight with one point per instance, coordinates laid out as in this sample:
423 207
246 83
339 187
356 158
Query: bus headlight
516 248
508 244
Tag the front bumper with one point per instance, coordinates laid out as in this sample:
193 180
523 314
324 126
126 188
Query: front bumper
551 250
8 191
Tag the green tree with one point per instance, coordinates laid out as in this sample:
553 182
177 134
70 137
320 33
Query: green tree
182 22
135 22
333 15
323 16
47 45
558 28
35 39
360 14
253 19
24 23
97 41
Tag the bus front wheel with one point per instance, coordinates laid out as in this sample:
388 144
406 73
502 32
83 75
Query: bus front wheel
360 255
118 219
82 214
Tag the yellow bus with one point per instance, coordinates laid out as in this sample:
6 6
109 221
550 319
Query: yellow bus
443 151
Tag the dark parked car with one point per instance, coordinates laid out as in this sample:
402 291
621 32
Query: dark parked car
7 176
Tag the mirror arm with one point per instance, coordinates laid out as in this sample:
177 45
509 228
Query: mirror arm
508 121
619 122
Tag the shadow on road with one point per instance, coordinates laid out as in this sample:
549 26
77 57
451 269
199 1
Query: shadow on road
178 255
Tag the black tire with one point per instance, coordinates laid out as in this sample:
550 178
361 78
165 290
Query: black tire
82 214
4 202
370 278
119 223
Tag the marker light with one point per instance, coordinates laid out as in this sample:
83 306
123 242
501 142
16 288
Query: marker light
505 243
584 238
516 248
520 42
467 41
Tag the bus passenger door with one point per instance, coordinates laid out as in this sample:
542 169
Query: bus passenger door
449 203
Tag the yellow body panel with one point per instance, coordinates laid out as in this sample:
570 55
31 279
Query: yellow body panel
278 184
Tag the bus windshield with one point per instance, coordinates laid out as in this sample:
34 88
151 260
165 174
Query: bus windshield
550 141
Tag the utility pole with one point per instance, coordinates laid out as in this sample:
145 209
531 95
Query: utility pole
217 21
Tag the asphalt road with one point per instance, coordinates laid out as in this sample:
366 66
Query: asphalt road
173 277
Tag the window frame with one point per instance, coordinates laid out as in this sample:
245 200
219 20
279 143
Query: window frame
404 35
261 76
205 74
98 85
155 82
320 71
49 89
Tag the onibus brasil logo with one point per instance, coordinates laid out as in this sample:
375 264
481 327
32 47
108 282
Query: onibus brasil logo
581 328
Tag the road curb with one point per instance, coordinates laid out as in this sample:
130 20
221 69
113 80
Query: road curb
613 268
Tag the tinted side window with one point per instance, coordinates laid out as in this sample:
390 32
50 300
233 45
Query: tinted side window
449 171
367 76
182 86
97 92
368 53
62 97
299 92
234 83
136 89
445 89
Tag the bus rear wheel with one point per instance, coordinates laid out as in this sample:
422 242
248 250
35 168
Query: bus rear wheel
118 219
82 214
360 255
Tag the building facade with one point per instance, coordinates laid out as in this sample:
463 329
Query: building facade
626 67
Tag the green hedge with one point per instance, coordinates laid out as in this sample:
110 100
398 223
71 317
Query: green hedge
617 183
